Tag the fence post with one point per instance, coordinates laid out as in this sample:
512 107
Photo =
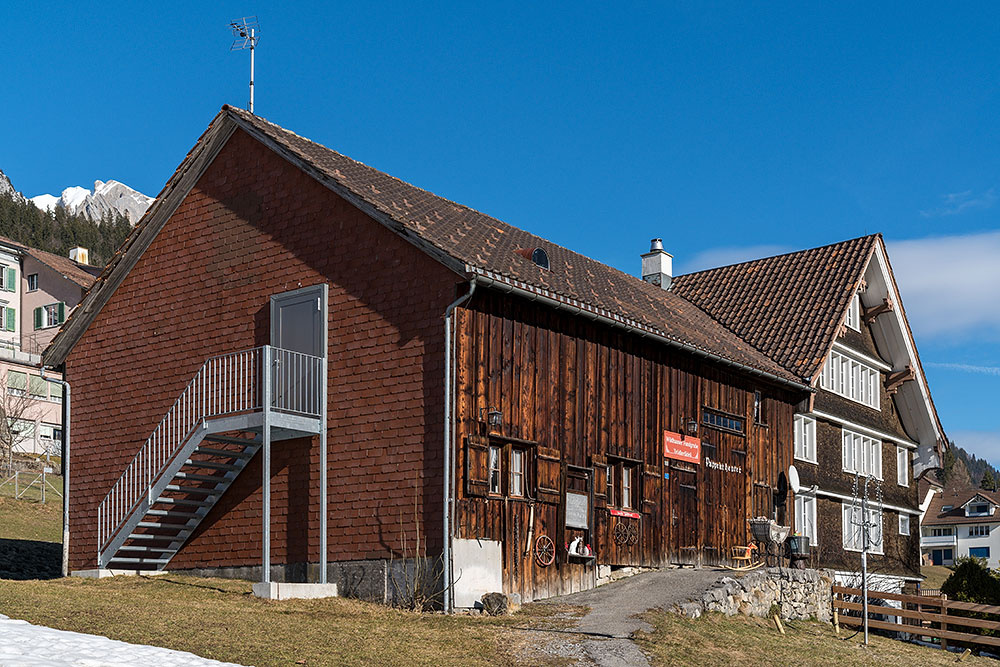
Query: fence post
944 625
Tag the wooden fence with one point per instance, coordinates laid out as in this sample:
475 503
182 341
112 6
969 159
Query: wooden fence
921 616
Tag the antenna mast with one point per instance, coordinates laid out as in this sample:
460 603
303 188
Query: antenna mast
870 526
246 34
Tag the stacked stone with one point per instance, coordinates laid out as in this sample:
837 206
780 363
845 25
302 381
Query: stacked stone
794 594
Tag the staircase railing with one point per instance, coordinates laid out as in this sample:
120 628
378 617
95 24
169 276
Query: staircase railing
228 384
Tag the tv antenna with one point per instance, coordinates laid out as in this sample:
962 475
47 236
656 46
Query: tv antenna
246 34
869 525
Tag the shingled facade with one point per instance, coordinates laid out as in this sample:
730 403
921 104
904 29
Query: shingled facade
513 399
833 316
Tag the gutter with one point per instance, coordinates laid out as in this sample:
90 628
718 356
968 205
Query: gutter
65 465
448 445
580 308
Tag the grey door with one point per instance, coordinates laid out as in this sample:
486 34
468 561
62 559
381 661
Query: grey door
298 339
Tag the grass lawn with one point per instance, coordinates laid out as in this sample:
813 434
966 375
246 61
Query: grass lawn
716 640
935 575
28 520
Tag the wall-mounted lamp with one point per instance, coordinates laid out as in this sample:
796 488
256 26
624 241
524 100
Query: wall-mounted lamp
692 426
493 416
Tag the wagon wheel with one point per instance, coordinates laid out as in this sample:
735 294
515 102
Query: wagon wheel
632 533
770 553
545 550
621 532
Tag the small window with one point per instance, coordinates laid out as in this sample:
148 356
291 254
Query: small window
611 485
979 531
759 413
904 524
979 508
722 421
805 516
495 471
805 438
623 479
941 532
32 282
8 279
947 508
902 467
853 319
517 473
980 552
51 315
626 487
541 258
861 454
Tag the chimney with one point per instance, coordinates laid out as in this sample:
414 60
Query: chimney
79 255
657 265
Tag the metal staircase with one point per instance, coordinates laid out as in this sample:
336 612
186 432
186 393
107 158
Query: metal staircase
234 405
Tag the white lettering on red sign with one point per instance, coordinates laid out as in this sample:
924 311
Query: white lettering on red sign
681 447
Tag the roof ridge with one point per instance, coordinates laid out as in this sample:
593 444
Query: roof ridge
780 255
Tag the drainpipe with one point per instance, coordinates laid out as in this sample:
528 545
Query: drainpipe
65 465
448 462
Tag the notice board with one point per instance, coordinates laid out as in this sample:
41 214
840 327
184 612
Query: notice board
577 510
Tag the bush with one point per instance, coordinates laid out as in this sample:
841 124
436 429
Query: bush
972 581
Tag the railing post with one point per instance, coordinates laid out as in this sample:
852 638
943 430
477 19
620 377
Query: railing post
266 453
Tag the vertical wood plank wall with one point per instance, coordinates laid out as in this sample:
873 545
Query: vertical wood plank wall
590 391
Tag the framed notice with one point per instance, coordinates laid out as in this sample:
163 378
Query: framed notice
681 447
577 510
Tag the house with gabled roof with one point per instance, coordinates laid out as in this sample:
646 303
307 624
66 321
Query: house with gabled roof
961 522
325 363
833 316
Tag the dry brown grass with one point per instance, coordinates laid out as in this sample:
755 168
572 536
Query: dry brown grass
935 575
716 640
28 520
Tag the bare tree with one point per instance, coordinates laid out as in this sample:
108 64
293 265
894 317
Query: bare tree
17 409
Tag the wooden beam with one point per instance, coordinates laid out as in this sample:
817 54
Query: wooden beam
896 380
870 313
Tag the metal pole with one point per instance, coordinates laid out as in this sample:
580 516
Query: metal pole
65 470
864 558
323 483
252 44
266 485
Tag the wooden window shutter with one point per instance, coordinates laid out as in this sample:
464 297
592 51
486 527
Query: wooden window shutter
599 463
477 466
650 486
548 473
11 319
38 318
10 280
62 312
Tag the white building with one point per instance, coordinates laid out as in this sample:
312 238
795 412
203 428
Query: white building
960 523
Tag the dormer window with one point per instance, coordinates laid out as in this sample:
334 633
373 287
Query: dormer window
536 255
853 319
979 509
947 508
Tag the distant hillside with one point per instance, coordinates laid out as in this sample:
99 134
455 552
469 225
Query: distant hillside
57 231
961 468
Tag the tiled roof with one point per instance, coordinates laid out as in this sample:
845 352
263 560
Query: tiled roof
487 245
937 516
81 274
789 306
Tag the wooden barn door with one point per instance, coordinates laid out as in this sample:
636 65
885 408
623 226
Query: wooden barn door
684 519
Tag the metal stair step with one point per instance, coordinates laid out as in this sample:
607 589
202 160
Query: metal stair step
233 441
200 478
174 513
183 501
211 451
150 536
205 491
139 560
157 525
141 548
228 467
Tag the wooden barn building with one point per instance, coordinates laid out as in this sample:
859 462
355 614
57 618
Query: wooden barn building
297 366
833 316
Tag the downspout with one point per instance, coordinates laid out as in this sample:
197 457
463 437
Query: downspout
65 466
448 462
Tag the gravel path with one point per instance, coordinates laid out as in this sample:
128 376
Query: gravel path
613 611
27 645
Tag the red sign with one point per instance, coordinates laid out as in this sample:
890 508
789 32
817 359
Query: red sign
681 447
630 515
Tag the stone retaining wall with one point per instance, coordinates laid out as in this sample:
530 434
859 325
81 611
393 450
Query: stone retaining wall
798 594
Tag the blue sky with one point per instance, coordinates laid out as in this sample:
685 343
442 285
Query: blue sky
731 130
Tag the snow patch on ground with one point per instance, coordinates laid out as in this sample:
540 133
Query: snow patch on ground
22 643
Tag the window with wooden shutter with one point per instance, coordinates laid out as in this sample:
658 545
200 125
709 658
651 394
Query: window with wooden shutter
61 312
650 486
11 319
477 466
548 468
9 279
39 318
600 465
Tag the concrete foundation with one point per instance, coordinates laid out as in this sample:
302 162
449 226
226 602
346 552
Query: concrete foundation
102 573
282 591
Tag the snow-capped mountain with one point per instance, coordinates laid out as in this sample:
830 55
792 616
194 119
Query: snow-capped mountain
6 188
106 196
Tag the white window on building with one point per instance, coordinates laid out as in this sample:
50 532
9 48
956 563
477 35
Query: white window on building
32 282
8 279
51 315
627 487
861 454
854 529
852 379
805 438
979 531
904 524
805 517
8 318
516 472
902 466
495 470
853 318
941 532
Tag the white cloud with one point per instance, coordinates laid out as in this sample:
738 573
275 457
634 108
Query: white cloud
950 285
716 257
984 444
960 202
967 368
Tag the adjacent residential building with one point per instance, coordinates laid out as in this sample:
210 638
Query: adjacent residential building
37 290
833 316
959 523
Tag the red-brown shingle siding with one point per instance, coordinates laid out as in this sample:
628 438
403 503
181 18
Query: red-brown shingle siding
253 226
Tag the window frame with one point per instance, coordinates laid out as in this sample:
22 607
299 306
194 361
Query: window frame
495 467
616 486
804 438
505 449
871 464
853 379
846 524
853 317
717 419
986 556
805 506
517 475
28 278
904 519
979 530
902 466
